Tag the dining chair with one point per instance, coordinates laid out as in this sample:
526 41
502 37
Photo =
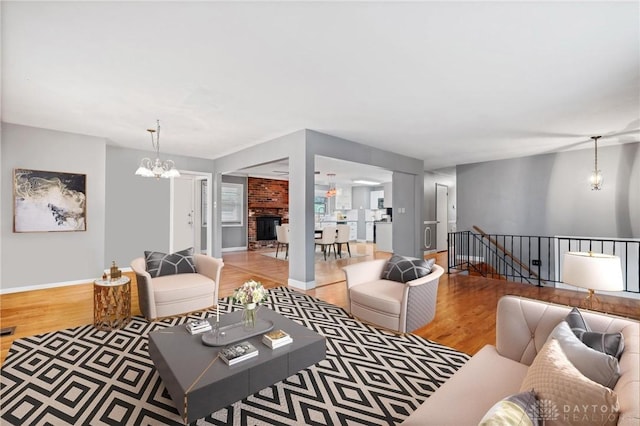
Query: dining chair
328 239
282 235
342 237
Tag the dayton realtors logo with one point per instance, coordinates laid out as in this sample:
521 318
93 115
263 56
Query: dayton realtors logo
547 410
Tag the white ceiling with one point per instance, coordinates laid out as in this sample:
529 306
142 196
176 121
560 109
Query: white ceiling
447 82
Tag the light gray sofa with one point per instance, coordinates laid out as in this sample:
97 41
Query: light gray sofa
522 328
181 293
401 307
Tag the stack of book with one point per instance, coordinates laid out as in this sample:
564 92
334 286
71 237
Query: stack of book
276 338
198 326
238 352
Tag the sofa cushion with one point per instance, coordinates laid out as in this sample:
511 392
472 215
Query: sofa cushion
569 396
381 295
519 409
403 269
609 343
172 288
596 365
159 264
465 398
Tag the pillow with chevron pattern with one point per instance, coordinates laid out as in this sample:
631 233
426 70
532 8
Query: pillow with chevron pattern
403 269
159 264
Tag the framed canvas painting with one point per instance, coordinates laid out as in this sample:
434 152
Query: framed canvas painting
49 201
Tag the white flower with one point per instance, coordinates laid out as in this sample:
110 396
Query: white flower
251 292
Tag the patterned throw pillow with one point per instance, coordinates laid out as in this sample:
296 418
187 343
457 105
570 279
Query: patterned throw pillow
566 396
403 269
596 365
519 409
160 264
609 343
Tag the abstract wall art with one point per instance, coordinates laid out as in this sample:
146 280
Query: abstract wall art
49 201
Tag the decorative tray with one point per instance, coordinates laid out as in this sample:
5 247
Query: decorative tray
233 333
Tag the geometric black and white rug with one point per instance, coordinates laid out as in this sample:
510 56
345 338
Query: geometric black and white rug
83 376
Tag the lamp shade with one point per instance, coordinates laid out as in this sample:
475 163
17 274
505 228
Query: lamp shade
593 271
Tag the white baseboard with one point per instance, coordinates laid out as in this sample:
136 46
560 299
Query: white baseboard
245 248
46 286
302 285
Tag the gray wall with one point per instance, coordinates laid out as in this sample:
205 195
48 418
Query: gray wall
236 236
550 194
126 214
406 227
137 208
46 257
301 148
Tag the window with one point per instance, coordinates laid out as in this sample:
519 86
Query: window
232 204
320 205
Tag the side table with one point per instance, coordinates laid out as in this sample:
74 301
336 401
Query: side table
111 303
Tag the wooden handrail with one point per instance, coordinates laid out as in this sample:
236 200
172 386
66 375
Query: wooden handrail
507 254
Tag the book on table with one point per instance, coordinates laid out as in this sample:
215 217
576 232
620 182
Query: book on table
238 352
276 338
198 326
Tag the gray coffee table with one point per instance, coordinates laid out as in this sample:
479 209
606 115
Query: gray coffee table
200 384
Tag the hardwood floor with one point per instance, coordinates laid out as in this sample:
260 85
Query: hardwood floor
465 316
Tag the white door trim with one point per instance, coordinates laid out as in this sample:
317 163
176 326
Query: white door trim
197 176
442 222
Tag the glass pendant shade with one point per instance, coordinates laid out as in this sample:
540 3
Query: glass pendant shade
596 180
596 176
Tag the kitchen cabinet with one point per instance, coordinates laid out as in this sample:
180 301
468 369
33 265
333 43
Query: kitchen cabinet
375 195
343 198
353 231
369 231
388 195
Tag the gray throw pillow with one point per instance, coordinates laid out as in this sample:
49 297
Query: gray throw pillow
609 343
596 365
403 269
159 264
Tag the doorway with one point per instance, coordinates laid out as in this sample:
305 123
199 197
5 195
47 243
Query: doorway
442 218
189 216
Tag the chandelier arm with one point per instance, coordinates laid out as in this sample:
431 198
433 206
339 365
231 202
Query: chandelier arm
157 168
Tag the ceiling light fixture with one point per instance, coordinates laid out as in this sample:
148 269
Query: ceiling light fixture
332 185
157 169
596 175
365 182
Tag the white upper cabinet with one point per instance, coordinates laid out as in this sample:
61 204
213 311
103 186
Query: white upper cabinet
375 195
343 198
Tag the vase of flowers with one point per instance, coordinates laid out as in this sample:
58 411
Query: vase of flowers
249 295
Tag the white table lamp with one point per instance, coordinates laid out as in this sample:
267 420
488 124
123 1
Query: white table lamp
593 271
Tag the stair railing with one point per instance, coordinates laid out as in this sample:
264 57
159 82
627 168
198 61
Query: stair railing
535 259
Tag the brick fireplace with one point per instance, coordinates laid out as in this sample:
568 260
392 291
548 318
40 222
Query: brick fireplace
267 198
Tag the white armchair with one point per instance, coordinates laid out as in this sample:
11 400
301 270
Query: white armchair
401 307
170 295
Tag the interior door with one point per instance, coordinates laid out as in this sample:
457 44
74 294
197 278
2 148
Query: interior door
183 214
442 218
